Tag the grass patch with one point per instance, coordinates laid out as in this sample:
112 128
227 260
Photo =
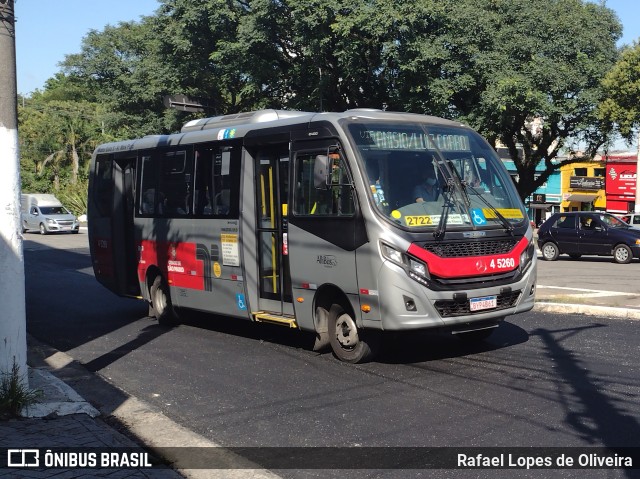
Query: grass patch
14 395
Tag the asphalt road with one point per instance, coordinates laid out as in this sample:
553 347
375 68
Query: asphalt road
540 380
590 272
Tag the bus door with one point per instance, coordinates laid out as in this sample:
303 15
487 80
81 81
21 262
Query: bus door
325 225
111 230
123 227
272 191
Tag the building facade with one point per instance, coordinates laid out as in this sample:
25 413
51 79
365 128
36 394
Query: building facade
621 171
583 186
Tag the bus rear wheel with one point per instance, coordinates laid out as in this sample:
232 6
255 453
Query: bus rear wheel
350 344
161 305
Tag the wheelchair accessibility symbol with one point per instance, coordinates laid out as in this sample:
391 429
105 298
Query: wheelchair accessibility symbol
478 218
240 301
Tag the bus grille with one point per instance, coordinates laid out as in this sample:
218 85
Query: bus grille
470 248
448 307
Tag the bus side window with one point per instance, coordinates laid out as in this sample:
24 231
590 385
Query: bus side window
336 199
223 202
147 187
103 185
203 189
175 183
217 181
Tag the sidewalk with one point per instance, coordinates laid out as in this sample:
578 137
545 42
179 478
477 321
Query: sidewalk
567 300
64 418
82 410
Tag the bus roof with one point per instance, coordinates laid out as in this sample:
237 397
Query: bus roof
237 125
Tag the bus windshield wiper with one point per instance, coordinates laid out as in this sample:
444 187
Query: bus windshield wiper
453 185
447 194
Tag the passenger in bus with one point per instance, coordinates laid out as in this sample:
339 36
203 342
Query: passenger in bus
427 189
149 202
477 183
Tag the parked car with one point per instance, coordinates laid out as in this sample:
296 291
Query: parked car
588 232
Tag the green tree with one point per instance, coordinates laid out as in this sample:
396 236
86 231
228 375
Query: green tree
119 68
620 107
536 70
57 139
525 74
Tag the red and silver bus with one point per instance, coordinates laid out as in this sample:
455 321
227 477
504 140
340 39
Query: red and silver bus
342 224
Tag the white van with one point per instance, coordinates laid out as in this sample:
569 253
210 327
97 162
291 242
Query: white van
45 213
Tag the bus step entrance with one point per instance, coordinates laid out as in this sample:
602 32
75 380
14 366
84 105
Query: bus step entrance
264 317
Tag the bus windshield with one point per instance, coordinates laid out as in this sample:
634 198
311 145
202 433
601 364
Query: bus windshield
422 174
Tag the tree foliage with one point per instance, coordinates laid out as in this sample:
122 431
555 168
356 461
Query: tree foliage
537 78
622 91
58 132
526 74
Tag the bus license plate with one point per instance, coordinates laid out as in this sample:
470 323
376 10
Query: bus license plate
486 302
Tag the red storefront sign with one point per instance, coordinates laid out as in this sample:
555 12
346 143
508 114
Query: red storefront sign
620 184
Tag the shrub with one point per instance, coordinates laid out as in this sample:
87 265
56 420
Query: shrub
14 395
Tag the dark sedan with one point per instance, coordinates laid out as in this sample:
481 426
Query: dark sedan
580 233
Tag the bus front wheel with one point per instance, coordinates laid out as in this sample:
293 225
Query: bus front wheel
161 305
350 344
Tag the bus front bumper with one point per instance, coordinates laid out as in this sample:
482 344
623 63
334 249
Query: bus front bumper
405 304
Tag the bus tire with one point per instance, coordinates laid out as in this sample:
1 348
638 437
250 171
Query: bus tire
321 322
161 303
348 343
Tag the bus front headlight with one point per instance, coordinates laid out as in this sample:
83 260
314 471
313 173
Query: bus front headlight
416 269
392 254
527 255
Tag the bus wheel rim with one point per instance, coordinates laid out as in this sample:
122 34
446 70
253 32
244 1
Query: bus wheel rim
159 300
346 332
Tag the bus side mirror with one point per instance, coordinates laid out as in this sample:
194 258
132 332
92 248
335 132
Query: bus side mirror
321 170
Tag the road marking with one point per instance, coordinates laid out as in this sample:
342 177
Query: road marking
590 292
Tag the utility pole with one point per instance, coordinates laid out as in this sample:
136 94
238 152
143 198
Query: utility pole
13 323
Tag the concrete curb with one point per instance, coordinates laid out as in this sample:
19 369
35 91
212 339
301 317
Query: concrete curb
587 309
60 398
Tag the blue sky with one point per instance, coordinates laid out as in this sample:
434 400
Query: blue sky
47 30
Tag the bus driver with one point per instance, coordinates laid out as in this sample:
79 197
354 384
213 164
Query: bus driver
428 189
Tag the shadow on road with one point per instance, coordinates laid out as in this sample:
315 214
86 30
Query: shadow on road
423 346
590 408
